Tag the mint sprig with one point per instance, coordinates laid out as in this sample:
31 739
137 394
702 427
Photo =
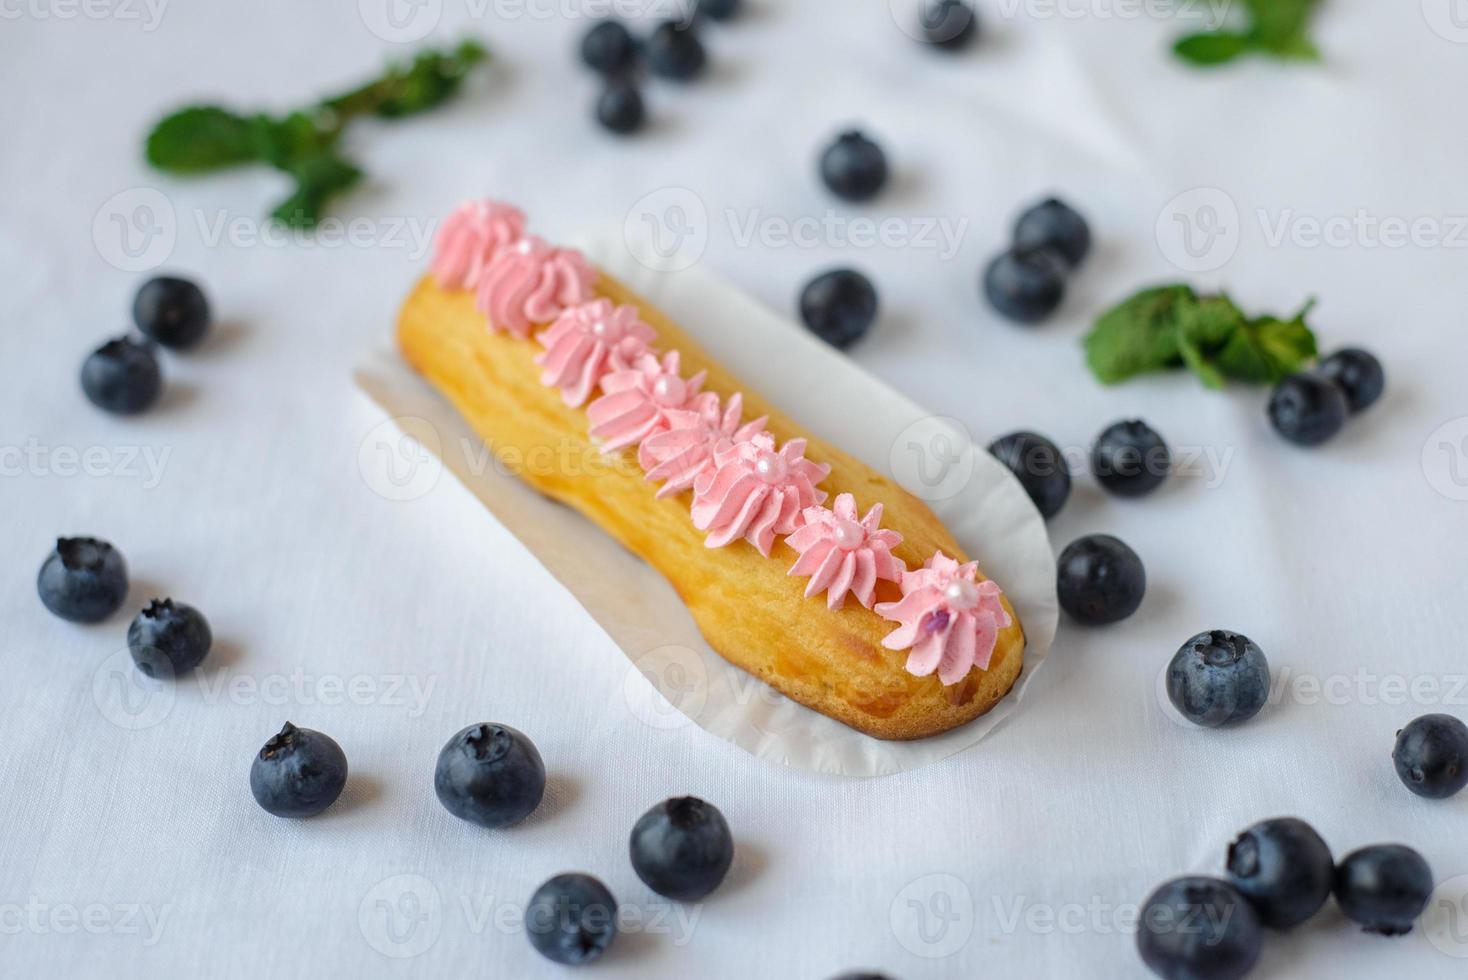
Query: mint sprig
1277 28
305 143
1167 327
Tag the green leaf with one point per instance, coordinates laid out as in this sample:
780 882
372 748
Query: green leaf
200 139
1267 349
1138 335
297 139
1211 48
1204 327
318 180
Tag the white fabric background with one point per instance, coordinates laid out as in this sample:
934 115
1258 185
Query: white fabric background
1344 563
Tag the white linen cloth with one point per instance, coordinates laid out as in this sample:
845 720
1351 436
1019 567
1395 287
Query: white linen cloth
131 845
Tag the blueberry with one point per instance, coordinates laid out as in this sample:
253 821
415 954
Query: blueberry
168 638
1358 373
172 311
619 108
718 9
1198 928
122 376
948 24
853 167
1040 467
1307 410
84 580
1025 287
609 48
1130 459
1283 868
571 919
1431 756
298 773
839 306
1100 580
1383 888
1055 225
1218 678
674 51
489 774
682 848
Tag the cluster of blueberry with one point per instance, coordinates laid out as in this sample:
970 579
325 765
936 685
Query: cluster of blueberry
1026 282
1280 872
1310 407
1100 580
673 51
84 580
122 376
492 775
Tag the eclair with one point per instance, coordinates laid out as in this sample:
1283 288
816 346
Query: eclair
800 564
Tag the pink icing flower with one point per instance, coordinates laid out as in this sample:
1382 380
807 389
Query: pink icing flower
950 620
588 341
755 492
469 239
679 454
842 554
531 282
636 402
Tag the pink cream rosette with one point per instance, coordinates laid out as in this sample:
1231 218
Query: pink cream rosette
469 239
950 620
677 455
842 553
637 402
587 342
755 492
531 282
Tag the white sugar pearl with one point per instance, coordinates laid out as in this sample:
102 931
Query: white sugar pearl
523 246
669 390
849 535
961 594
772 468
600 328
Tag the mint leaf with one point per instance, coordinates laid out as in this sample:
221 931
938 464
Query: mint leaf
1211 48
1204 327
1278 28
200 139
317 181
1267 348
1138 335
1168 326
304 143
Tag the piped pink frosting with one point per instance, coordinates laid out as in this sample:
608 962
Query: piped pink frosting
636 402
950 620
469 239
755 492
531 282
587 342
678 455
842 553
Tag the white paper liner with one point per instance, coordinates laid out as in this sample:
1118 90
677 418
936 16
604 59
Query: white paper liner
679 678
